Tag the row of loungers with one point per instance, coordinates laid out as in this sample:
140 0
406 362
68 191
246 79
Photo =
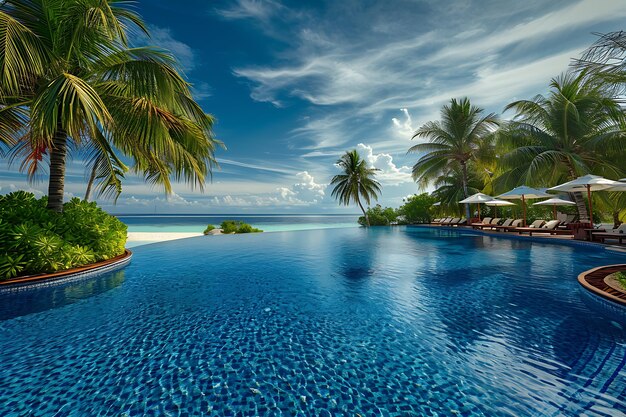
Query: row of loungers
510 225
618 234
450 221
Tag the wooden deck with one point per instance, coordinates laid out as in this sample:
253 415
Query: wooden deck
593 280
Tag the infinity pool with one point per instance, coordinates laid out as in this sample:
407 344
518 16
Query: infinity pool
341 322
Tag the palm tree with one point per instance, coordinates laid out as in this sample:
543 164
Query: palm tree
605 61
356 182
69 80
455 139
449 188
577 129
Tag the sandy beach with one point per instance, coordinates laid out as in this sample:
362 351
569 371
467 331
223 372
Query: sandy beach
158 236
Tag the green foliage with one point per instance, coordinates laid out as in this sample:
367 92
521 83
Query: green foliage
236 226
208 229
379 216
36 240
417 208
621 278
356 181
68 69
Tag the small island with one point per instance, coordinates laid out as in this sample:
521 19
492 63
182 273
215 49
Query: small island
230 227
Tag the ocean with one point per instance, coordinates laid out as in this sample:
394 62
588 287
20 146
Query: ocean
196 223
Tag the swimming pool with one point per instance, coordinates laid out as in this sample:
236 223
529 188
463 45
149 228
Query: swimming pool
380 321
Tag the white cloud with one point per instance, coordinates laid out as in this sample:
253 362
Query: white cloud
352 83
404 129
251 9
389 173
163 38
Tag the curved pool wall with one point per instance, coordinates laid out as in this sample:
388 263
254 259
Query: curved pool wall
380 321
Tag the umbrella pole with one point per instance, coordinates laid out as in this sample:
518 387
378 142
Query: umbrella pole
524 209
554 211
478 212
590 205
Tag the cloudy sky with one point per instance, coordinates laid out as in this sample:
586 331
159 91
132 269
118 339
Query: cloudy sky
293 84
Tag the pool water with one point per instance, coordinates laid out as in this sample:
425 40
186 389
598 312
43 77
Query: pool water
341 322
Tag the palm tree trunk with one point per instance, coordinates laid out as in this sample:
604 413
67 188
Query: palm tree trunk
367 219
464 179
56 184
92 178
583 214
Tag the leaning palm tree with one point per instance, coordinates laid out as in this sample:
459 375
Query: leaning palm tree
578 129
69 81
356 182
455 139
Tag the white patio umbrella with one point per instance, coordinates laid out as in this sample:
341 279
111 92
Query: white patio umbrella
496 203
555 202
619 186
477 198
589 183
524 193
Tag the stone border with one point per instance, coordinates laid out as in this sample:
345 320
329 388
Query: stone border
593 281
74 274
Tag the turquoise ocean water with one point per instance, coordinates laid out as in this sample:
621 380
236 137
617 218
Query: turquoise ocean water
196 223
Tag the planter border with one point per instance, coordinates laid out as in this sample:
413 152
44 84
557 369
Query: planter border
593 281
68 275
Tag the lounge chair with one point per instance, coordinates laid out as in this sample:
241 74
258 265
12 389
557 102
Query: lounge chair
512 226
445 221
549 227
490 225
460 222
618 233
506 223
454 221
484 222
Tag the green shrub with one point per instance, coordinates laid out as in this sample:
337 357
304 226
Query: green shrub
417 208
36 240
235 226
208 229
379 216
621 278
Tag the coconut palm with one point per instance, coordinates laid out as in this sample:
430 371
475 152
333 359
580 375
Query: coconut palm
577 129
449 187
69 81
356 182
455 139
605 61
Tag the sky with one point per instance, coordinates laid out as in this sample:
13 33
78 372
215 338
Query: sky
294 84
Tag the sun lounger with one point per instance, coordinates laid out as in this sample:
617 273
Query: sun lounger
454 221
549 227
486 221
489 225
618 234
460 222
512 226
506 223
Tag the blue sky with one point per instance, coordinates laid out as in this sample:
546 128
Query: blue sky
293 84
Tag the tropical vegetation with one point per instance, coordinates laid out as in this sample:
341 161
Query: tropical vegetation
462 134
578 128
34 239
69 81
417 208
236 226
356 182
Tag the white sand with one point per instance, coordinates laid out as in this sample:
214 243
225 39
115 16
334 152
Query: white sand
158 236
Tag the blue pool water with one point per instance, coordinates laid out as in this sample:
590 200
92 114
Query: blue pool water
341 322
